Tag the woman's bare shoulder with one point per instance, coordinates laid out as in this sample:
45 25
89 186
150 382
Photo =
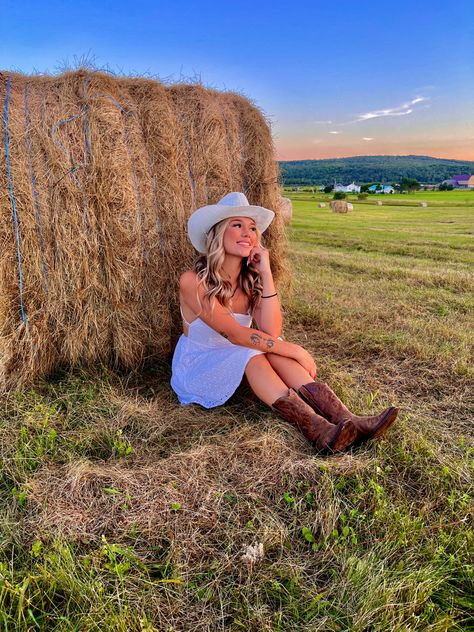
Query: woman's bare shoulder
188 284
188 279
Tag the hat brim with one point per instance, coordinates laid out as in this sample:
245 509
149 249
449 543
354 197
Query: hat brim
203 219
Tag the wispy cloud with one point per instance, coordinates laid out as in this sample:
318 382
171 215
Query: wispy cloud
400 110
334 132
322 122
367 138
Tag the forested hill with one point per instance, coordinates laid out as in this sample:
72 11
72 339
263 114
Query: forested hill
361 169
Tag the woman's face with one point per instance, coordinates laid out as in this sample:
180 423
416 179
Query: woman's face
240 236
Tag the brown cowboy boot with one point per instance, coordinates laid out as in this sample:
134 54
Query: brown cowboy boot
326 403
325 436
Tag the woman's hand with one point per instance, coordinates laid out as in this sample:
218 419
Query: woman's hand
259 258
306 360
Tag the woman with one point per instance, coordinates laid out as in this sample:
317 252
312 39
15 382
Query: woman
230 285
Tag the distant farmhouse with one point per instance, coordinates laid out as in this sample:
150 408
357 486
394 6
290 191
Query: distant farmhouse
381 188
349 188
464 181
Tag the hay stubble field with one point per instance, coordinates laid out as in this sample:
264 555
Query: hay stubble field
123 511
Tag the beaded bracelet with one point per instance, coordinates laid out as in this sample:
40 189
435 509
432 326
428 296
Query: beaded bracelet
270 295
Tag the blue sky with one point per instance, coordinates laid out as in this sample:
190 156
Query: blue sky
335 79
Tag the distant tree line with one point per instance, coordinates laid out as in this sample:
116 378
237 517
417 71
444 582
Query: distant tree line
371 169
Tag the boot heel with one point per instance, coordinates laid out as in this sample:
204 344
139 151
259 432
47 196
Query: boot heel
346 434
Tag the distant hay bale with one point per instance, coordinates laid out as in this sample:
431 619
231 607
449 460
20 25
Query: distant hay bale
340 206
286 209
98 177
424 204
322 205
378 202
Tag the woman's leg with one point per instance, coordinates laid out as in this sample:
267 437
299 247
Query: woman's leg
270 376
271 389
325 402
264 381
290 371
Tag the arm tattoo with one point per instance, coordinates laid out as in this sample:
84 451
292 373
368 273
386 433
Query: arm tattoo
224 335
256 340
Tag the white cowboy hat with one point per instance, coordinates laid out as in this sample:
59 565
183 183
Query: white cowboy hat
233 204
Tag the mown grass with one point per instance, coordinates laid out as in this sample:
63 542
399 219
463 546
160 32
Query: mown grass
457 197
123 511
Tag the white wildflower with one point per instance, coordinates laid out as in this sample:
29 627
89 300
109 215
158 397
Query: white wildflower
253 553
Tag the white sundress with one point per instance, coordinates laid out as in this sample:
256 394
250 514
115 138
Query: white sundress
207 368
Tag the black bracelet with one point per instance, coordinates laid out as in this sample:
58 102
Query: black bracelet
270 295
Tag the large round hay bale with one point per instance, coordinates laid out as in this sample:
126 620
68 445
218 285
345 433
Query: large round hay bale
424 204
322 205
98 177
340 206
378 203
286 209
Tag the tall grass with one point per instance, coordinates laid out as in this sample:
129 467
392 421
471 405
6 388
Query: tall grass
123 511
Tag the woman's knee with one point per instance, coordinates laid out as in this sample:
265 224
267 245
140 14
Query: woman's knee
257 362
263 380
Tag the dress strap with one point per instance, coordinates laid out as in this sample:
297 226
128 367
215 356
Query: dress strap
182 316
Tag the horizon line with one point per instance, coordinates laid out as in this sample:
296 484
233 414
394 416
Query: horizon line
378 156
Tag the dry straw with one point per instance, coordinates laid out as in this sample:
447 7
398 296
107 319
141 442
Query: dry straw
286 209
340 206
98 177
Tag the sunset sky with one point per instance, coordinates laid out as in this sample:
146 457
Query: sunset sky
335 78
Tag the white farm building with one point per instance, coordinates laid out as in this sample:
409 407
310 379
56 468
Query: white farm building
349 188
381 188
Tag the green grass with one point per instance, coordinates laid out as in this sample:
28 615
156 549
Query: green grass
123 511
458 197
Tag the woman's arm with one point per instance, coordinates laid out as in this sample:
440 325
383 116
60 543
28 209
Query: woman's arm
222 321
268 314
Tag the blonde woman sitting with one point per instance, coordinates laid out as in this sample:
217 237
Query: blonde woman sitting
230 286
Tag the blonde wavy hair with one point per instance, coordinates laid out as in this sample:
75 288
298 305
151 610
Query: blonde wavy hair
209 271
